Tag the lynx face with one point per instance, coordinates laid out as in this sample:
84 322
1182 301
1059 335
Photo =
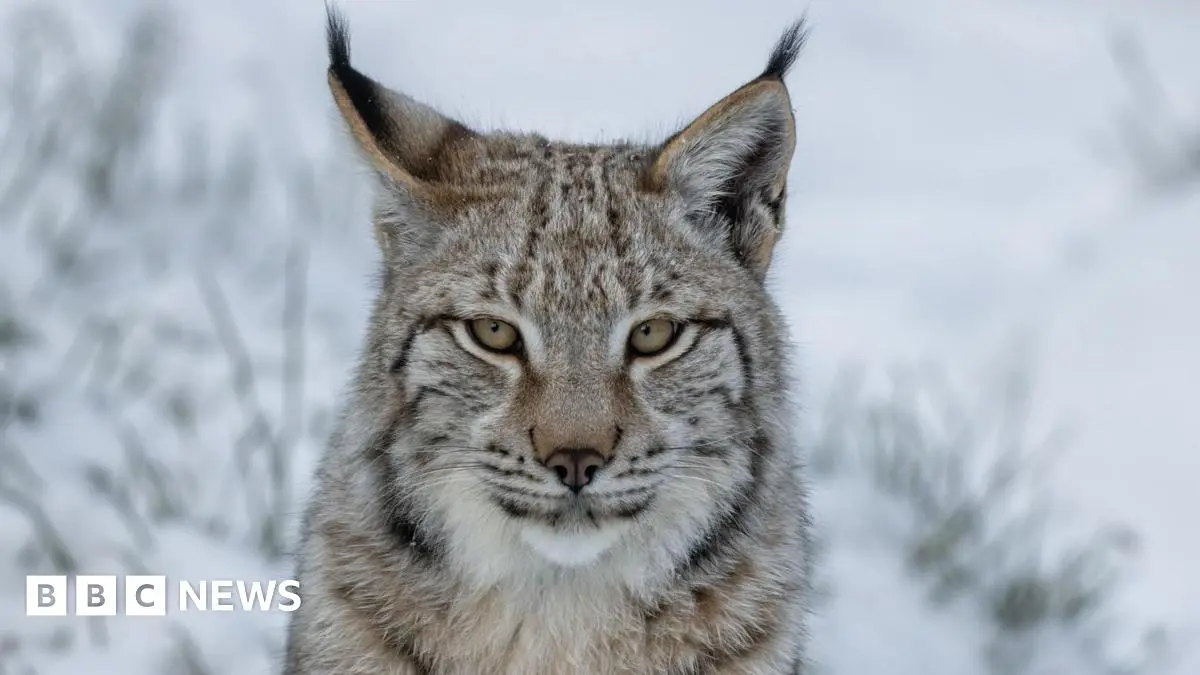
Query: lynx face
573 346
574 356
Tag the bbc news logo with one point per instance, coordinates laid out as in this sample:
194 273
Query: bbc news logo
148 596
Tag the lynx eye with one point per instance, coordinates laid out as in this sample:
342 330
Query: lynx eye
652 337
494 335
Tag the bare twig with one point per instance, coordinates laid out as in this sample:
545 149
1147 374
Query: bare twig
292 429
244 387
52 543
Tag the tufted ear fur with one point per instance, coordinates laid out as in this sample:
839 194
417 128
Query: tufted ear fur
730 164
412 146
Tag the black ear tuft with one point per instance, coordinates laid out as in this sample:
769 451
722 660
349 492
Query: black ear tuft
786 50
337 34
363 92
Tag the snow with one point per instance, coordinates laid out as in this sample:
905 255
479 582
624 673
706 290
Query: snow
960 182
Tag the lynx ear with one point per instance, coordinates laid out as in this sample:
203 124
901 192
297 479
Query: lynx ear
408 142
730 164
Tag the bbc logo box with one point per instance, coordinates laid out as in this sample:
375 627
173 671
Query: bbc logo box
95 596
45 596
147 596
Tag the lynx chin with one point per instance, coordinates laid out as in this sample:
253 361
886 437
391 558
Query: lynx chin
567 449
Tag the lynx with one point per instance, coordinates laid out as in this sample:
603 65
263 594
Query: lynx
567 446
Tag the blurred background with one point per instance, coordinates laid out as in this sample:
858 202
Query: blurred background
990 272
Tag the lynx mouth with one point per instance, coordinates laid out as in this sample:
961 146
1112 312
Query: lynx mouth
574 513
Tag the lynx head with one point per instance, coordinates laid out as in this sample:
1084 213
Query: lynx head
572 357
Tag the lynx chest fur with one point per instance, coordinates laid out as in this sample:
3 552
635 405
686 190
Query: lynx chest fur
567 447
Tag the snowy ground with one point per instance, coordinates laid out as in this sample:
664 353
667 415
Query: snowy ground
962 192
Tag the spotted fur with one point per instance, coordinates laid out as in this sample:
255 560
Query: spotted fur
437 541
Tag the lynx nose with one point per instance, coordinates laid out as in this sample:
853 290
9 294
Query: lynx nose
575 466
